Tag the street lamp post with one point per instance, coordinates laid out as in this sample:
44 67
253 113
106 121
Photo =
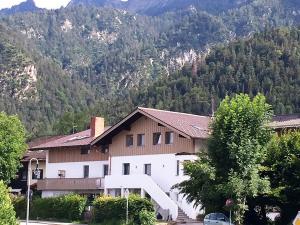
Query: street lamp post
28 184
126 194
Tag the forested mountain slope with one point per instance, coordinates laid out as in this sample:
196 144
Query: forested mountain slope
112 49
34 86
268 63
84 58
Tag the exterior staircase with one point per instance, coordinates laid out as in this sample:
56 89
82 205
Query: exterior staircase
183 218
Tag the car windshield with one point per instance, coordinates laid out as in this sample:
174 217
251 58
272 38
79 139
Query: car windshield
222 217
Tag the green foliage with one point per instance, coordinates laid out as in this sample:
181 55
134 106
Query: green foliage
267 63
7 213
19 204
147 217
283 161
12 146
99 58
71 123
69 207
106 208
236 150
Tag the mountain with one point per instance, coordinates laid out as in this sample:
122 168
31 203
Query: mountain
114 50
267 63
27 6
157 7
93 59
34 86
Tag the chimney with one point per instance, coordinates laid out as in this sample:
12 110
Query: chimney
96 126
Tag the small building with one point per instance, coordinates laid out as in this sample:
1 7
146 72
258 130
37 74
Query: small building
143 153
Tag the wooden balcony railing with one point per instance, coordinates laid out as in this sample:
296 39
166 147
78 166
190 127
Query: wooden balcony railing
70 184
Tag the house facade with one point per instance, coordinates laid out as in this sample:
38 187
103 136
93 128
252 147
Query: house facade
73 165
143 153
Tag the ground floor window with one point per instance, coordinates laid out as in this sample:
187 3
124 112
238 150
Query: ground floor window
86 171
126 168
147 169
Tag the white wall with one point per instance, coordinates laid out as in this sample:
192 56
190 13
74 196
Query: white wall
48 194
163 173
75 169
163 167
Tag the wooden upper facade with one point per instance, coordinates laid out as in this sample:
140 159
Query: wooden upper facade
76 154
142 132
148 128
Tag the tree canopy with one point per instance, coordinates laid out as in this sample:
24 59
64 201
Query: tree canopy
12 146
7 213
237 148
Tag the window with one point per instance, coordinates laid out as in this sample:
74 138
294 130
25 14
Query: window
157 138
37 175
86 171
62 173
105 170
84 150
126 168
147 169
177 167
141 139
169 137
129 140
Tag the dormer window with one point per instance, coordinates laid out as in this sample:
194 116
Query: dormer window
129 140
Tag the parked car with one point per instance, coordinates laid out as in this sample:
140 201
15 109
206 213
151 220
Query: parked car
216 219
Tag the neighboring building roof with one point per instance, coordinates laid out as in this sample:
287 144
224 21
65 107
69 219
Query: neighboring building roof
82 138
42 140
40 155
187 125
286 121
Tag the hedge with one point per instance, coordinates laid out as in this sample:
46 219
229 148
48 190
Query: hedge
106 208
19 203
68 207
7 213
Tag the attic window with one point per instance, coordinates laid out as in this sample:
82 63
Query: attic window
84 150
157 138
129 140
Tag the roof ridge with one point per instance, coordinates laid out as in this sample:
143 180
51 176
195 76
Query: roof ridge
161 110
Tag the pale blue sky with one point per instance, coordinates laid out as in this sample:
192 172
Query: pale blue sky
49 4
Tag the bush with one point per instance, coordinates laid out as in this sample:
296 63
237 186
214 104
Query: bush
69 207
147 217
107 207
7 213
19 204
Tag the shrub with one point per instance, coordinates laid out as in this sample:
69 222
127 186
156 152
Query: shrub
19 204
107 207
147 217
69 207
7 213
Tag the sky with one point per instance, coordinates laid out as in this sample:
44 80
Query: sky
49 4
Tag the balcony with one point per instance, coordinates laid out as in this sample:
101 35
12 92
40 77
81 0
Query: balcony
70 184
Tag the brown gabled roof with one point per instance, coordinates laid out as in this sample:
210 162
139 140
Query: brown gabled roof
82 138
187 125
285 121
40 155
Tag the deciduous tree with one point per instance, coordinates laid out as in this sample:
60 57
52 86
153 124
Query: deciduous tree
237 147
12 146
